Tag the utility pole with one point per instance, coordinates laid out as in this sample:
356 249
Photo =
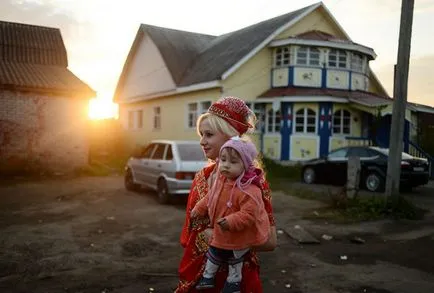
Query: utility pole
399 100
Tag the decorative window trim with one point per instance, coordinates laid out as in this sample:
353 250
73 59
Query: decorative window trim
344 122
197 109
305 116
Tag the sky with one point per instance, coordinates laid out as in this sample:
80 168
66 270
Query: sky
98 33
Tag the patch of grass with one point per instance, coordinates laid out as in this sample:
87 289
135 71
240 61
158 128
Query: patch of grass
369 208
279 172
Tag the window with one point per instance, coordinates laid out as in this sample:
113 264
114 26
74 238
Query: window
338 154
135 119
337 59
305 121
308 56
159 152
130 119
191 152
272 121
194 110
148 151
192 115
259 110
282 57
140 119
157 118
359 152
169 154
342 122
357 62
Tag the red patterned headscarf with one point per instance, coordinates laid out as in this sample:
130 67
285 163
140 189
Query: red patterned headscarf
234 111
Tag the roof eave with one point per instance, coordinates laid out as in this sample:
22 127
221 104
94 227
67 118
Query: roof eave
179 90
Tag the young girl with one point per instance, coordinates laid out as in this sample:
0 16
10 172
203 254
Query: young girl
236 210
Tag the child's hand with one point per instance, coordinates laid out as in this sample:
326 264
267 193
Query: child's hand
223 224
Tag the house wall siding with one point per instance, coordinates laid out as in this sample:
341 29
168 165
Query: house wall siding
316 20
42 132
148 73
252 78
173 117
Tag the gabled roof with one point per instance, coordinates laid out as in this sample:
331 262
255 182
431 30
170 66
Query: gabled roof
226 50
34 58
178 48
194 58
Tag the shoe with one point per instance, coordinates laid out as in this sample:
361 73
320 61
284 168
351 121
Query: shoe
232 287
205 283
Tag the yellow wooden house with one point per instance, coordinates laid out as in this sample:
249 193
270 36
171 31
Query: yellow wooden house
309 84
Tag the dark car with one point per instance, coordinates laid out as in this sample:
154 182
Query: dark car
332 169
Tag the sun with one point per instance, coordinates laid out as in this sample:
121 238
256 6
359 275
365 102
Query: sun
102 108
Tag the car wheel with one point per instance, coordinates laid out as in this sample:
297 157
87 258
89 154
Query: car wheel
163 192
129 181
374 182
309 176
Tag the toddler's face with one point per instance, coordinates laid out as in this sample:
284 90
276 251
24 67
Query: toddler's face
230 163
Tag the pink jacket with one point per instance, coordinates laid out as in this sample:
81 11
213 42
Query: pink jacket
246 216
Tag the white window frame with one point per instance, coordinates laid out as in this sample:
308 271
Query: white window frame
259 109
192 114
338 62
305 121
343 123
276 118
310 51
282 57
157 118
357 62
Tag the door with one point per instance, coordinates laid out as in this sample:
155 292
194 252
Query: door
142 167
156 163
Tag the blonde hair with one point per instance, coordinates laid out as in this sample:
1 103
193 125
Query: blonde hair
218 124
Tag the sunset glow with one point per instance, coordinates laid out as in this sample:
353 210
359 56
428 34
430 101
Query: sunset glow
101 108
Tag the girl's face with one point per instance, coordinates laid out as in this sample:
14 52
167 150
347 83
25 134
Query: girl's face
210 140
230 163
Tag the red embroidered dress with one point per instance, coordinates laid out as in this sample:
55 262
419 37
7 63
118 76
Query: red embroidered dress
193 240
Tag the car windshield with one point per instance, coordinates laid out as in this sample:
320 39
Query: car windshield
191 152
386 152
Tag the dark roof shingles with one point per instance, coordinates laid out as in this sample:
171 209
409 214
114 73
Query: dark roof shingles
178 48
226 50
34 57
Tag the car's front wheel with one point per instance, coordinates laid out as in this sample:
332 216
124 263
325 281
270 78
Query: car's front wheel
374 182
129 181
309 175
163 192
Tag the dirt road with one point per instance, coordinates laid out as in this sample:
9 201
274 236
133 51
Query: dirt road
90 235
